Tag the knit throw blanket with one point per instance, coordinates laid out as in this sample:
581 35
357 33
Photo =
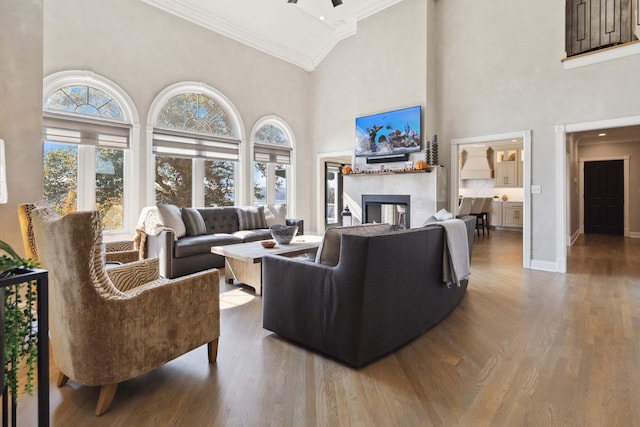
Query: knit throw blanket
149 224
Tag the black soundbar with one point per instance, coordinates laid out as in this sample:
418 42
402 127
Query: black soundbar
388 158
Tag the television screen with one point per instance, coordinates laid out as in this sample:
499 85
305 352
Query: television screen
393 132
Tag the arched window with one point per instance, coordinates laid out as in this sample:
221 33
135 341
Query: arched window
87 125
196 147
272 159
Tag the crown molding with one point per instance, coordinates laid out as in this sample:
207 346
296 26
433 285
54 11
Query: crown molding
306 60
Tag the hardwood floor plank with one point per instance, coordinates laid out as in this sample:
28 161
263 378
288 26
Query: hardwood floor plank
524 347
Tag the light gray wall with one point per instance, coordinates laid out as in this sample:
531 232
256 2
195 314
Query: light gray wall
144 50
20 109
381 68
500 70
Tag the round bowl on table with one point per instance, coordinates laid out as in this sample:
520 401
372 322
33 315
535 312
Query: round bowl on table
283 234
268 244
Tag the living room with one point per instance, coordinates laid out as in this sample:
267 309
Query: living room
476 68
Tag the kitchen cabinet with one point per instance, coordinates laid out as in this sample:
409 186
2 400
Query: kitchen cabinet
495 218
508 167
512 214
507 214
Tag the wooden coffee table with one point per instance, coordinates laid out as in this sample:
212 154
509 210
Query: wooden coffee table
243 261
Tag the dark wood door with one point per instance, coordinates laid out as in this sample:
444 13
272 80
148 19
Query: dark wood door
604 197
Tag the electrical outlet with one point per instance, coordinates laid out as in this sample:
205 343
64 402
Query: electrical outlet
535 189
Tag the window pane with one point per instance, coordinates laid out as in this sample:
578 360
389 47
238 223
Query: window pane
270 134
219 184
281 184
173 180
110 187
196 113
85 100
61 176
259 184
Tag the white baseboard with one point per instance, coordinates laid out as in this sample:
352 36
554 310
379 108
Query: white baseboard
634 235
537 264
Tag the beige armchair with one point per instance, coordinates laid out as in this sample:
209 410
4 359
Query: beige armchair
111 326
119 252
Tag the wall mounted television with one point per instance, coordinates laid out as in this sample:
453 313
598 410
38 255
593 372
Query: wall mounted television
389 135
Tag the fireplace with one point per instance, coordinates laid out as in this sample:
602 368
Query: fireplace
387 208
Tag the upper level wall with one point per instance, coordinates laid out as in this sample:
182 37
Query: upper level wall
500 70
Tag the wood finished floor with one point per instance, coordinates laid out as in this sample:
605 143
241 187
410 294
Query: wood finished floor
524 347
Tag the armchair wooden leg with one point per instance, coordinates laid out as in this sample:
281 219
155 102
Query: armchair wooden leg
212 348
107 393
62 379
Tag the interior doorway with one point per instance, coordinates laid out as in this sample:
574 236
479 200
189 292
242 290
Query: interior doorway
604 197
329 201
524 157
576 145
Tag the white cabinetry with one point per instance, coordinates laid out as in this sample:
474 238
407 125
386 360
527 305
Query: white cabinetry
507 214
496 214
508 167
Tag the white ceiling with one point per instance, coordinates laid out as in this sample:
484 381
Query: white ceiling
292 32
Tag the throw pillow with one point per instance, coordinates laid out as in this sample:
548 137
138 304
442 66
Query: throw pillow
275 214
193 222
172 217
251 218
329 250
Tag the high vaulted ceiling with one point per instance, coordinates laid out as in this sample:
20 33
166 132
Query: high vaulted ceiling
292 32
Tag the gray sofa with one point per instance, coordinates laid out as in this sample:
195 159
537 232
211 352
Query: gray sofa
386 289
191 252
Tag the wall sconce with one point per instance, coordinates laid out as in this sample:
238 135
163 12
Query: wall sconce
3 174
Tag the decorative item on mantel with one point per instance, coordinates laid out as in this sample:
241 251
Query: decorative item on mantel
435 161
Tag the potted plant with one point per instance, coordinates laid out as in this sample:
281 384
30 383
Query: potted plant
20 338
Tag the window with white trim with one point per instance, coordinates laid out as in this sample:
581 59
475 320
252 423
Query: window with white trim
272 154
196 151
86 139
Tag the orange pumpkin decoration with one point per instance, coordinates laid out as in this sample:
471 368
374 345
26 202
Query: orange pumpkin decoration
346 170
421 165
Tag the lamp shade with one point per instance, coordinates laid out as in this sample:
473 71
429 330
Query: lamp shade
3 174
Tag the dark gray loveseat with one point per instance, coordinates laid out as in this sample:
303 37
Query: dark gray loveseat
386 290
191 253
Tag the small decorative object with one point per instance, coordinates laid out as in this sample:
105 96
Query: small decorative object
268 243
505 198
382 167
408 165
346 170
434 151
421 165
346 216
283 234
427 153
495 197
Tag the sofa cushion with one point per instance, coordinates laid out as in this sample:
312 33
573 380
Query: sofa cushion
220 219
193 222
275 214
188 246
329 250
251 218
172 217
253 235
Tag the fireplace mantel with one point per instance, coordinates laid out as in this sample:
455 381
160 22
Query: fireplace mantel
428 191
